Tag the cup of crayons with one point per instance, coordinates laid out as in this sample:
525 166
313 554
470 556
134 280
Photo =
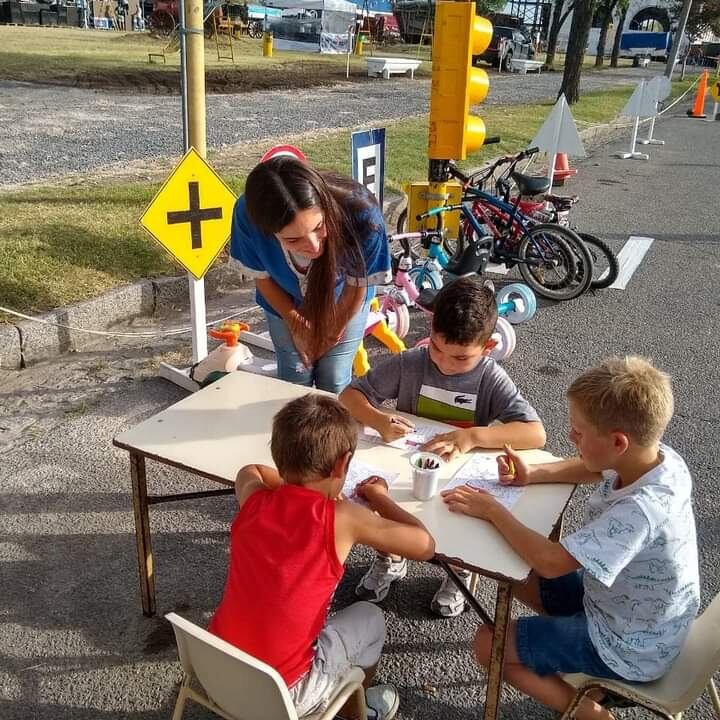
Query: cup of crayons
425 474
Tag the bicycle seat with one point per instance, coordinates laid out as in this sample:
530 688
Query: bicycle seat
529 185
474 257
562 202
426 299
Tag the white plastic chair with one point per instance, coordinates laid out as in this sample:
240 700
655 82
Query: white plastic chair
681 686
237 686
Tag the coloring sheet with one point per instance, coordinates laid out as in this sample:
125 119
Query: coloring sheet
481 472
359 471
423 433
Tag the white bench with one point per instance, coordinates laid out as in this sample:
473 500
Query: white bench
521 65
386 66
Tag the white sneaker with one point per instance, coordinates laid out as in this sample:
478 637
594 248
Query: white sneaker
382 702
375 583
448 600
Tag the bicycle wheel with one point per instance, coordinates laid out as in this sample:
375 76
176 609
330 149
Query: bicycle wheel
397 315
426 279
605 263
548 255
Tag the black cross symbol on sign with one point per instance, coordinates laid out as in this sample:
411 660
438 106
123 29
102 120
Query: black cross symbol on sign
195 215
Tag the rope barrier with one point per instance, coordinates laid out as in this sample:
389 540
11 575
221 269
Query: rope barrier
105 333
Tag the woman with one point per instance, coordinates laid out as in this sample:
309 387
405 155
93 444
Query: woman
315 243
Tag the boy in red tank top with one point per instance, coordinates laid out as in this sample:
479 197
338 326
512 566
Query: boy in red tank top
288 542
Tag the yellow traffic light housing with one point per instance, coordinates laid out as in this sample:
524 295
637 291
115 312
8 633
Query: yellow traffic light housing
456 85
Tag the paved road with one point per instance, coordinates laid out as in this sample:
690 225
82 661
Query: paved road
50 131
73 643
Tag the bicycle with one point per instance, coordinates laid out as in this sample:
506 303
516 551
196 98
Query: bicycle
556 209
516 303
548 208
496 231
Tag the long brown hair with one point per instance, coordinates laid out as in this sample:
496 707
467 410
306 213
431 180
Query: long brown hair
276 191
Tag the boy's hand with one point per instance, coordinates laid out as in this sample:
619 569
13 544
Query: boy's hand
512 469
371 488
469 501
449 445
392 427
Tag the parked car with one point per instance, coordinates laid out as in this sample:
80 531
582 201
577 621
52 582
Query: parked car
519 45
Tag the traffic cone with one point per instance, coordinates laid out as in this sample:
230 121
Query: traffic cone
698 110
562 169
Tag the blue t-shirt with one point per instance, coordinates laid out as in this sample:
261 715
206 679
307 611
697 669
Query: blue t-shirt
639 553
262 256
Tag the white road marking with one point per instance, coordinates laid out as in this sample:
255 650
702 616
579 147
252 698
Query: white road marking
630 258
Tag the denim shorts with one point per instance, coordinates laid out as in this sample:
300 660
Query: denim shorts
559 642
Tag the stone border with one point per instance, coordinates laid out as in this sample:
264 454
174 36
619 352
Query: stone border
25 342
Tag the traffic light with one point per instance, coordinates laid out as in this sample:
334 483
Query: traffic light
456 85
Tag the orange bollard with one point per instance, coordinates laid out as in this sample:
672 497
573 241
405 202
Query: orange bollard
562 169
698 110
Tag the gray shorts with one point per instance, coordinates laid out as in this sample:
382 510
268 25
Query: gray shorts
352 636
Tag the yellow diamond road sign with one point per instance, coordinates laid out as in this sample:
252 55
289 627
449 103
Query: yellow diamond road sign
191 214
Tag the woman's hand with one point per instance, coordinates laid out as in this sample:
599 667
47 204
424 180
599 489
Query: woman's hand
299 329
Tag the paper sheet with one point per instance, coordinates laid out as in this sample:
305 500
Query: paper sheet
423 433
359 471
481 472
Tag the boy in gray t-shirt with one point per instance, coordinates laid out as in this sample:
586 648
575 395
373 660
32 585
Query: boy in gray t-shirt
454 381
617 597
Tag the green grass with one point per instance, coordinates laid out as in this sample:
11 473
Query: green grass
110 59
61 244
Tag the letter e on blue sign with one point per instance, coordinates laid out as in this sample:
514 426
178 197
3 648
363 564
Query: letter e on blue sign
368 160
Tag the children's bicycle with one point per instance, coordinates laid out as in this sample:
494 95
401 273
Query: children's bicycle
542 209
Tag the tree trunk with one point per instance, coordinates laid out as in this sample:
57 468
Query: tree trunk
608 8
577 42
555 25
616 43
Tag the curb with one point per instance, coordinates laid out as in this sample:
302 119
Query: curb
25 342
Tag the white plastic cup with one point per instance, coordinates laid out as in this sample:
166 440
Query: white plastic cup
426 482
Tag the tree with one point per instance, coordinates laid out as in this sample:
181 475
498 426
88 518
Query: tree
704 18
623 6
487 7
606 8
577 42
559 16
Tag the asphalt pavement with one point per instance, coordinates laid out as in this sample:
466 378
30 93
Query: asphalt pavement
74 644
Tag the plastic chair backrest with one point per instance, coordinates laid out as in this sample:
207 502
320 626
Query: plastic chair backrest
238 683
698 660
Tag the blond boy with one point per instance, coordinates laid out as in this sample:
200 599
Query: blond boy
616 597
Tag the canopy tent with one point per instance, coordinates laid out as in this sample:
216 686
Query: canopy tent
312 25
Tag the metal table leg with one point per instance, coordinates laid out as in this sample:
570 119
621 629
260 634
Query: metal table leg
503 607
142 533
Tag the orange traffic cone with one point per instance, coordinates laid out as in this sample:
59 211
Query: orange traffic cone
698 110
562 169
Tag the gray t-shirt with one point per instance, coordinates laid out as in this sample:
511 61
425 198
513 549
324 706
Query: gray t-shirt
639 553
479 397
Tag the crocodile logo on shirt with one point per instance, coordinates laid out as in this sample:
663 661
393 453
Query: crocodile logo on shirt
446 405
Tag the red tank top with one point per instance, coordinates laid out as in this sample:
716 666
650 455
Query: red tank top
283 572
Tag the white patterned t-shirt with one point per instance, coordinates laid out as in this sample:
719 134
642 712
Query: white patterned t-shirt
639 553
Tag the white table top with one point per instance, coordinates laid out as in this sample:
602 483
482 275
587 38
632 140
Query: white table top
219 429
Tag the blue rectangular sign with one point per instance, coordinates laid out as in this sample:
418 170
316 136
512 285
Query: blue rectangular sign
368 160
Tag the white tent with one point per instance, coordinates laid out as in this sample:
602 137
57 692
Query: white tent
312 25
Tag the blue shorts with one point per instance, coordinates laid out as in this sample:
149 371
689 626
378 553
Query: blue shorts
559 642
